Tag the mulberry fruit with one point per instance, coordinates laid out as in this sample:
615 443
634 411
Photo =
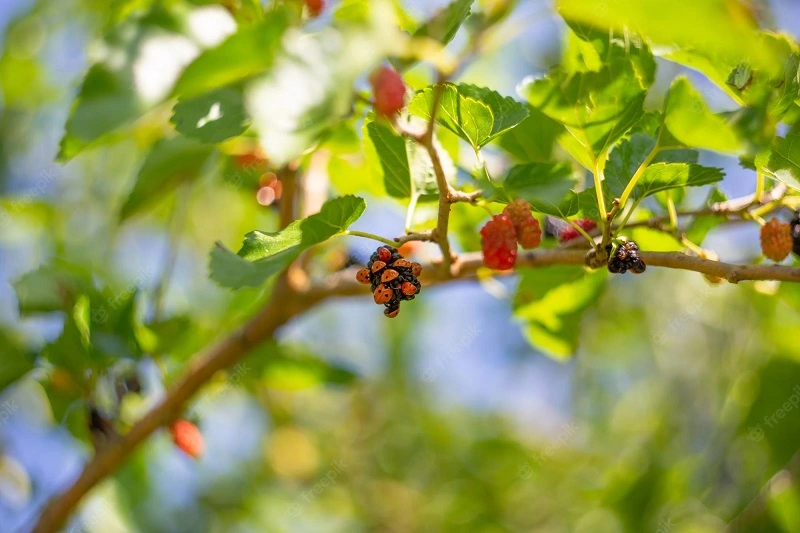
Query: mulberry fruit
624 256
188 438
527 229
389 91
392 279
569 232
499 243
776 240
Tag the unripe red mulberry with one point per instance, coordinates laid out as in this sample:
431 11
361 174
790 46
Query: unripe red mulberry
529 234
776 240
499 243
389 91
188 438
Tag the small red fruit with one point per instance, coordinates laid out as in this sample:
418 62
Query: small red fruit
389 91
188 438
499 243
315 7
529 234
776 240
569 233
382 294
363 276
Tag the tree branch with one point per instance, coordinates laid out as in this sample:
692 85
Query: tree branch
289 301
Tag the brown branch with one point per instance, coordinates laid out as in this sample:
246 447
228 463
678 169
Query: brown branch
289 301
427 236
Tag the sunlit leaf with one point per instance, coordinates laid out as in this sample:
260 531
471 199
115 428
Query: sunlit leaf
689 120
212 117
782 161
264 254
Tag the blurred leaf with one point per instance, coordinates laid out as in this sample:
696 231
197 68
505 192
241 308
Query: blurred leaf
663 176
539 182
550 303
476 114
15 362
532 139
212 117
782 161
700 225
248 52
49 288
689 120
285 373
265 254
445 24
597 108
169 163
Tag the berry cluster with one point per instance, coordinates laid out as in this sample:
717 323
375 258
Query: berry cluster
623 255
777 240
569 232
392 279
499 237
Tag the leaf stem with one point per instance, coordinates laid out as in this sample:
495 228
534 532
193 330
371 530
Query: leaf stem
759 186
636 175
581 231
364 234
598 188
673 213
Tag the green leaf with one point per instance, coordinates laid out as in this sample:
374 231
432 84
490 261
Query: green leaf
15 362
566 207
689 120
597 108
169 163
541 183
404 166
476 114
49 288
245 54
663 176
532 139
550 303
212 117
782 160
444 25
264 254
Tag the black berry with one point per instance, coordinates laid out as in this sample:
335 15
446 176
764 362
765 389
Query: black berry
392 279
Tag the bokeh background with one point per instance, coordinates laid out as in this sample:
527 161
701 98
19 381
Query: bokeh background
671 416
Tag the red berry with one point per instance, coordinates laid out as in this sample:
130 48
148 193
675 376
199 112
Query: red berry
389 91
188 438
529 234
776 240
363 276
315 7
569 233
499 243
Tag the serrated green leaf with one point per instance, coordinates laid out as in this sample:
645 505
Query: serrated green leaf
444 25
597 108
550 303
245 54
476 114
566 207
541 183
532 139
663 176
782 160
264 254
169 163
689 120
404 166
211 117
